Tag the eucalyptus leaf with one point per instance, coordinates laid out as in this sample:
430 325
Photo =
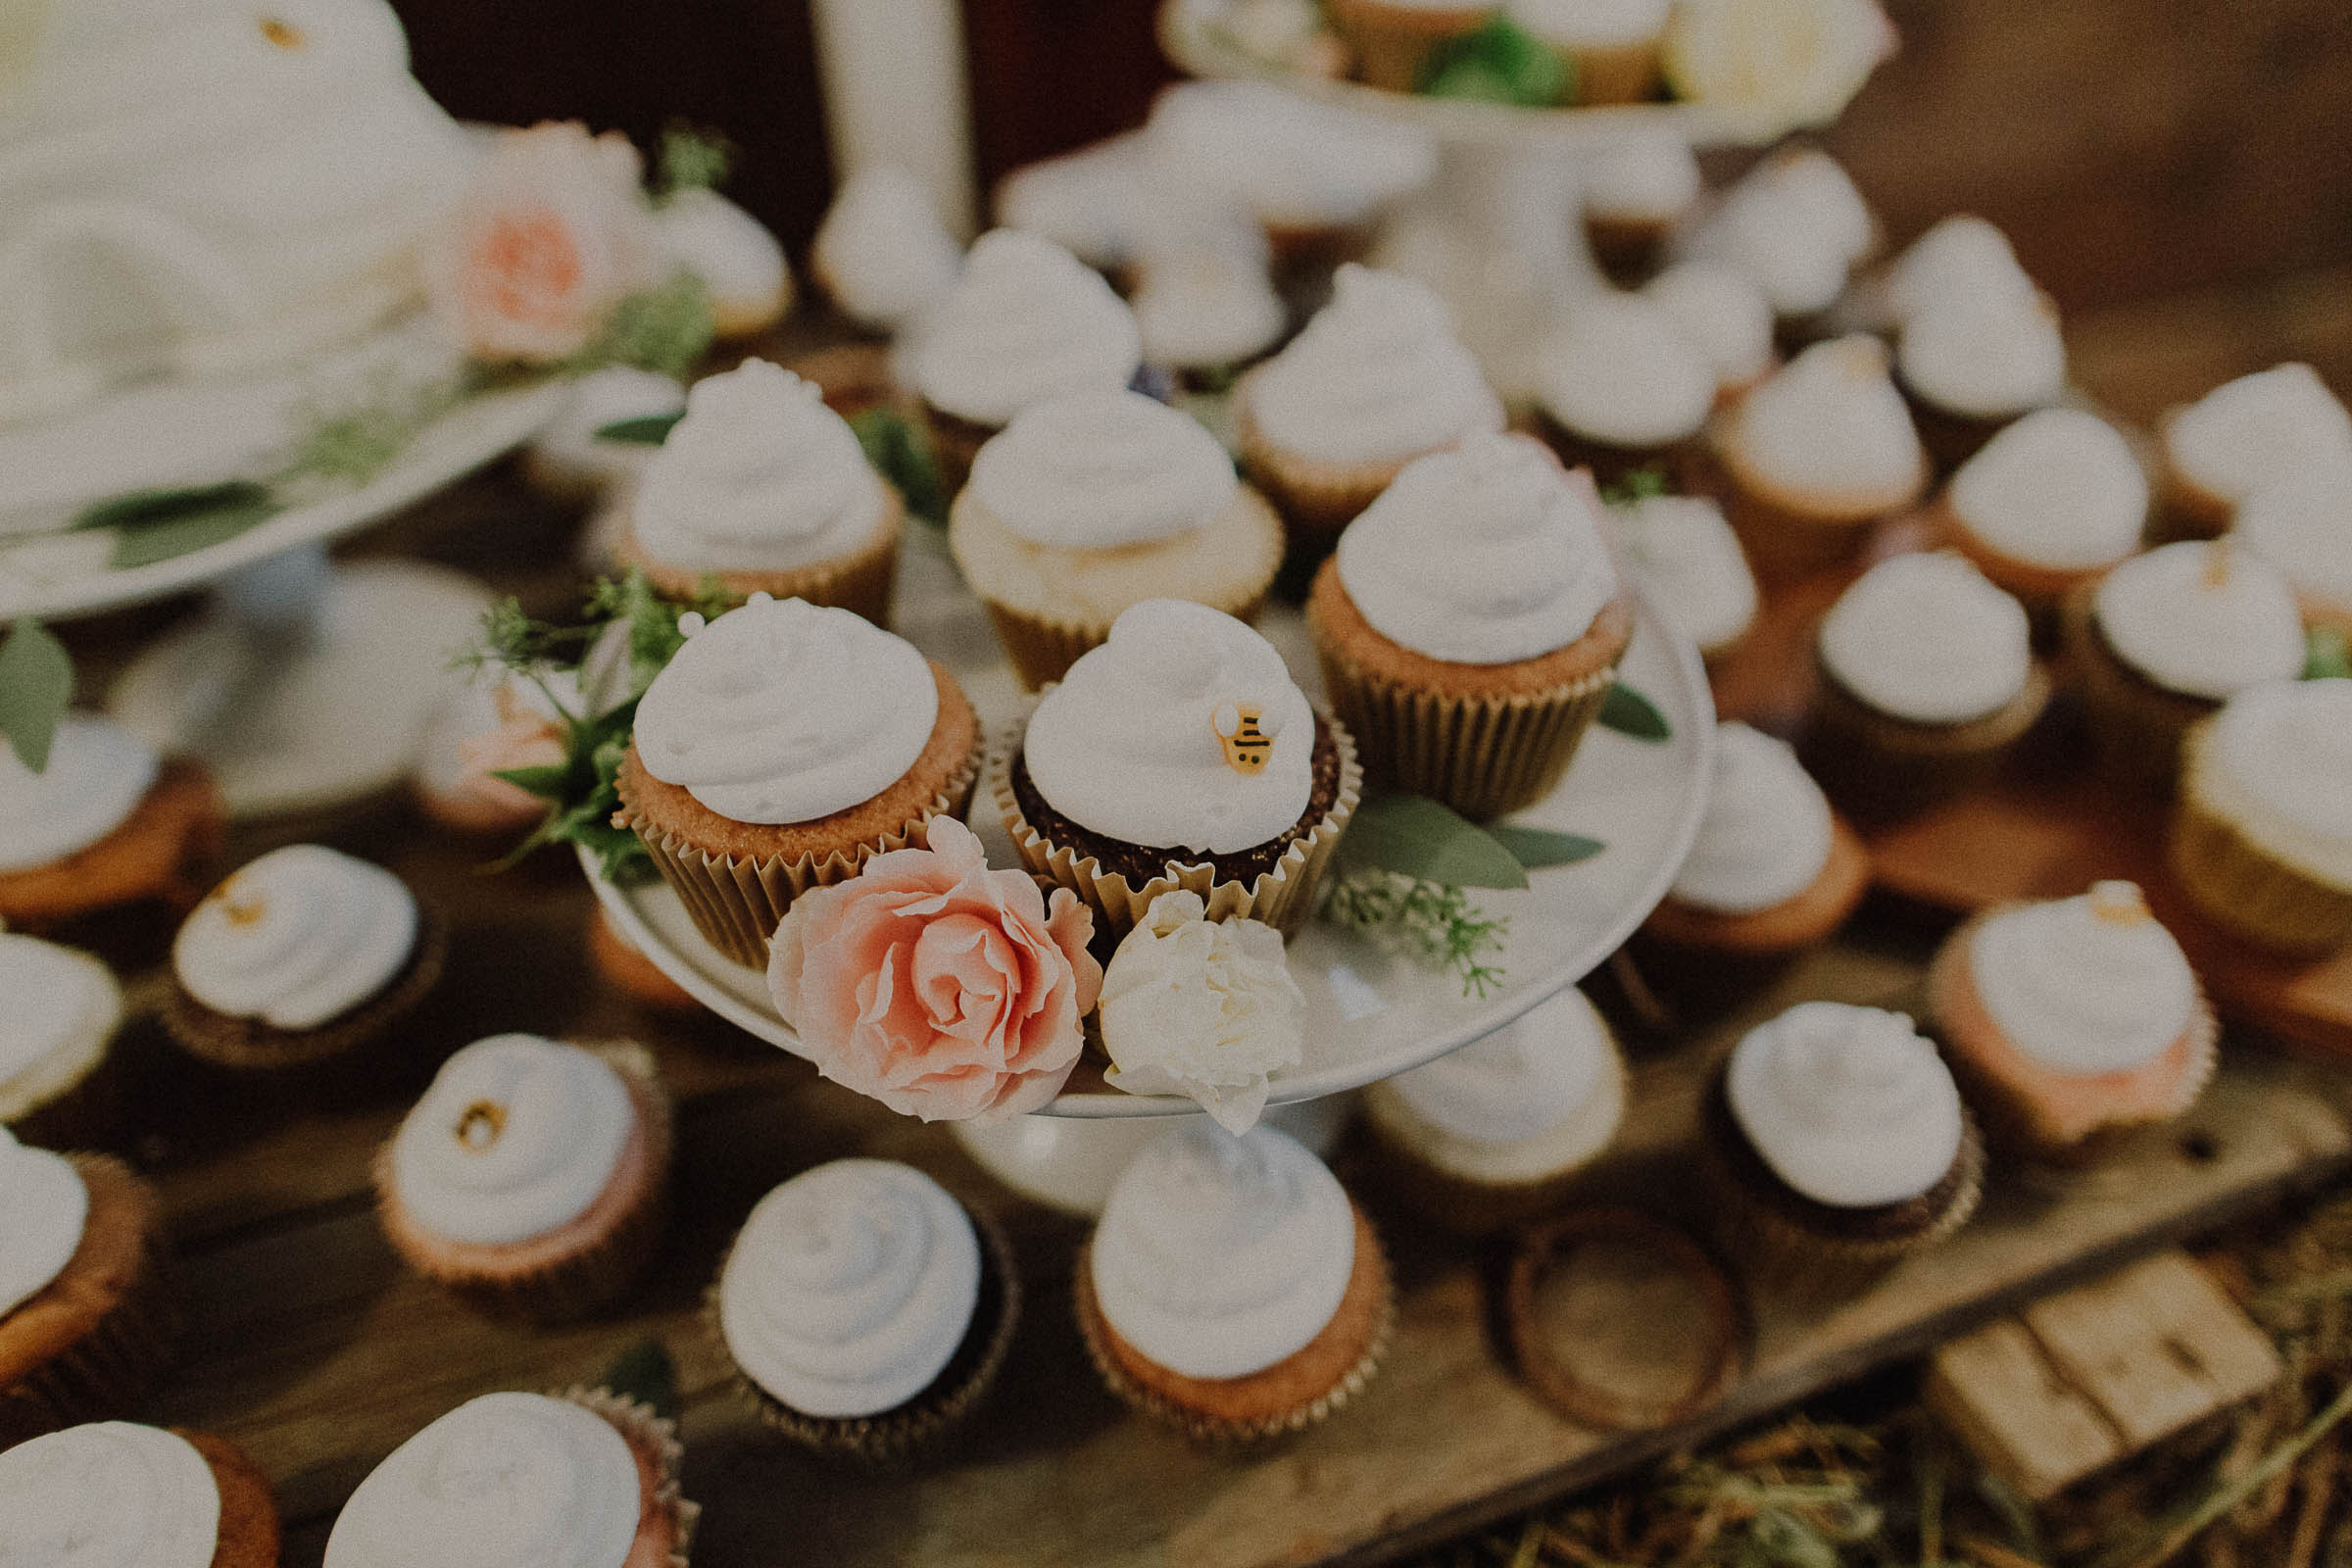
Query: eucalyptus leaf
899 452
548 779
36 683
1629 712
644 430
141 508
2328 654
186 532
1502 63
1538 847
1419 838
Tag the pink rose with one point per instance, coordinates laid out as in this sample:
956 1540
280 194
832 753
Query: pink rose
937 986
553 234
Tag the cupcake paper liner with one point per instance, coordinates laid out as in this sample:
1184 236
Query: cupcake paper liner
339 1049
655 1438
2136 726
1878 768
1283 898
1616 74
859 581
1315 498
1392 42
2238 886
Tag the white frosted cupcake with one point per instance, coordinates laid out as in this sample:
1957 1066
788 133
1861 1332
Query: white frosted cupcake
1090 504
60 1085
763 489
1206 312
567 461
1724 314
1231 1288
740 262
881 251
115 1494
109 823
1498 1132
1092 202
1687 563
2302 524
1795 226
1927 679
1632 197
1611 45
866 1310
2240 437
2167 637
1973 363
2262 837
2051 502
1624 387
1958 257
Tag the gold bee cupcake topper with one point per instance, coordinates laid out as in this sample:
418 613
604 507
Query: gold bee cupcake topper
1247 746
481 1126
2118 902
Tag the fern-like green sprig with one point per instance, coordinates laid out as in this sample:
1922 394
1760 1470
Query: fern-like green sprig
1435 922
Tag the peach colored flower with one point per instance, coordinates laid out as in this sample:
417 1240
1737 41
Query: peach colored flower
480 735
937 986
553 233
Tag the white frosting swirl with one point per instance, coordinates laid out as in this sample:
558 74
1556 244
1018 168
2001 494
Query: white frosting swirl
1519 1082
43 1205
505 1480
758 476
1847 1104
569 450
2205 620
1831 430
1094 201
1218 1256
1200 1008
1127 745
2302 524
517 1136
1984 356
1206 307
782 712
299 937
740 262
1960 256
1025 322
850 1288
1651 181
2085 985
1485 554
2058 488
1723 313
2246 433
1793 226
62 1009
1688 563
1099 470
1377 376
1766 834
1292 161
1926 637
2273 765
98 772
882 253
108 1494
1619 369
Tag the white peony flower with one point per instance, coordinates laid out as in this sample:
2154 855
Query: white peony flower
1200 1008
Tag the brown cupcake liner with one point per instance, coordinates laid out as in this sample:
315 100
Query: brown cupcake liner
1042 647
1783 543
736 902
1315 498
1283 898
88 1112
1618 73
923 1422
1200 1426
1630 250
1950 437
1461 1204
2136 727
859 581
1393 43
341 1048
1878 768
653 1438
2244 890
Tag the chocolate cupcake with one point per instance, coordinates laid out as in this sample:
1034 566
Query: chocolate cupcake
2237 439
116 1494
1633 197
61 1079
1973 363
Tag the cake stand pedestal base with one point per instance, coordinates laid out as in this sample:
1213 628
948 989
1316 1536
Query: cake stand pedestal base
1069 1162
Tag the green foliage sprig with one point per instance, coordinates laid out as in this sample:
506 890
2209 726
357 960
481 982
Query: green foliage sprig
1641 484
1500 62
36 683
691 158
1437 923
666 330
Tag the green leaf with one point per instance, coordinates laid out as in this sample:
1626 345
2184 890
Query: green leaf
1500 62
36 682
663 329
548 779
1419 838
2328 654
645 430
900 452
1641 484
142 508
187 532
1629 712
644 1372
1536 847
692 158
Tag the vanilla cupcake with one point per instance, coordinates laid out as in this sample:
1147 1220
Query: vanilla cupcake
1624 387
881 251
1376 379
1689 564
532 1180
1498 1132
1836 1146
115 1494
738 262
866 1310
2073 1023
2302 524
1179 753
566 459
1973 362
2050 503
1394 41
1025 321
1794 226
1231 1288
1961 257
763 489
108 822
1611 45
1815 456
1206 312
2240 437
61 1084
780 749
1723 313
1091 202
2163 639
1927 679
1471 624
2262 837
1093 503
584 1479
301 957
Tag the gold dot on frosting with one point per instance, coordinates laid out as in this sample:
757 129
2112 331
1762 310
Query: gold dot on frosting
240 905
2118 902
282 33
2217 564
481 1125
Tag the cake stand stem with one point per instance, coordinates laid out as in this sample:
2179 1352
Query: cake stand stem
1069 1162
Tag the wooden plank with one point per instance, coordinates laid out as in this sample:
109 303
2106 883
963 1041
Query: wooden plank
1996 1390
2145 1383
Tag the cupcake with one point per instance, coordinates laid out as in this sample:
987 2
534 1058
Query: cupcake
567 459
1795 226
1927 679
2163 639
1972 364
299 958
2261 838
781 749
1687 564
480 730
2072 1023
1961 257
866 1310
1025 321
61 1084
1624 387
86 1326
1206 312
1836 1146
584 1479
1471 624
1090 504
881 253
1091 202
1611 45
2302 524
107 822
1498 1132
1179 753
1773 874
2241 436
1816 454
1725 315
1375 380
1231 1288
1781 62
738 262
532 1180
763 489
119 1495
1394 41
2050 503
